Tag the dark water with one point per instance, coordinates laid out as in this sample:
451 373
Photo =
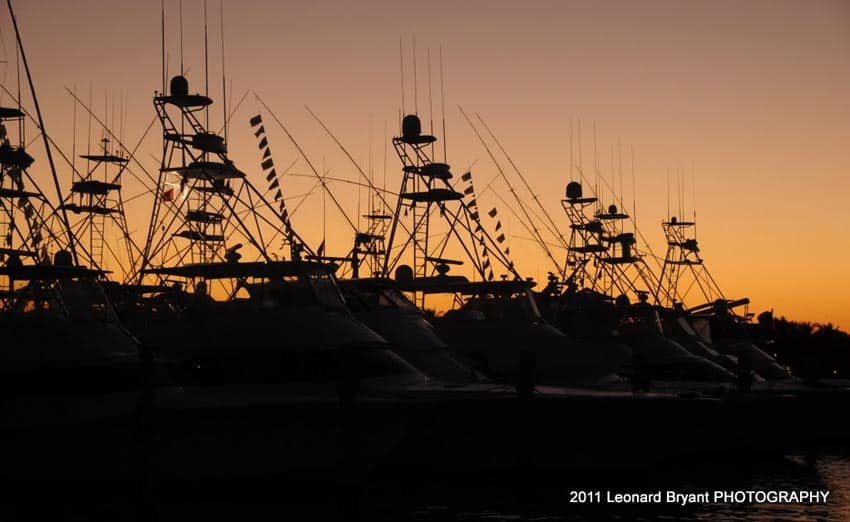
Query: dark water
547 498
528 496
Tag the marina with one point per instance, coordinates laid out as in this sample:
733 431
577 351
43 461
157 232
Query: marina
182 337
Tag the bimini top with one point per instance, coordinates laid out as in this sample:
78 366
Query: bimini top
462 285
252 269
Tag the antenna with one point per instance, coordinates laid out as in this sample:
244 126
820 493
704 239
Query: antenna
223 75
206 68
430 100
401 68
180 23
162 19
415 85
634 196
571 148
443 104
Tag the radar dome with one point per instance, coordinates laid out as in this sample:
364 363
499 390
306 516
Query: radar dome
411 126
573 190
404 274
179 86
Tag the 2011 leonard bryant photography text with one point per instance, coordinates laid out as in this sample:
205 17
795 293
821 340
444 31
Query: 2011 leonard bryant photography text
700 497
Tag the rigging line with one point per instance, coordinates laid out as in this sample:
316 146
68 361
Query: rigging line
309 163
535 232
354 162
554 228
343 180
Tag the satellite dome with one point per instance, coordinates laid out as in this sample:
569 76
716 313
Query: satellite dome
63 258
411 126
612 209
179 86
404 274
573 190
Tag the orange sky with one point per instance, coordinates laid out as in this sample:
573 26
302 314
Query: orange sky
748 100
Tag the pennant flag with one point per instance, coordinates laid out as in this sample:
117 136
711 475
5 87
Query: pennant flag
508 251
271 175
474 215
468 190
274 184
256 120
168 195
472 203
269 163
498 225
500 238
321 250
260 132
467 176
492 212
278 195
267 153
486 263
477 228
490 276
263 143
284 215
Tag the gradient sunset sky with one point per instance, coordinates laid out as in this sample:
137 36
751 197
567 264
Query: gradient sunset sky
747 102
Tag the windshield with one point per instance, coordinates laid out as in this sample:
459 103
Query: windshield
507 306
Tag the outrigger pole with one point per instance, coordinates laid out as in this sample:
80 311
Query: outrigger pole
71 243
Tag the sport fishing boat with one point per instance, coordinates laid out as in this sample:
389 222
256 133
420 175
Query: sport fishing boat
714 322
490 321
602 270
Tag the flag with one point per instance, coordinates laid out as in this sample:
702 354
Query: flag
490 276
278 195
468 190
472 203
260 132
492 212
263 143
508 251
274 184
168 194
500 238
269 163
271 175
321 250
474 216
498 225
467 176
486 263
256 120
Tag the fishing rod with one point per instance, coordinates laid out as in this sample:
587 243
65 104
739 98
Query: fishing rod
553 228
534 231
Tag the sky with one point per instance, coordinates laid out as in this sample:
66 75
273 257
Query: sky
740 106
